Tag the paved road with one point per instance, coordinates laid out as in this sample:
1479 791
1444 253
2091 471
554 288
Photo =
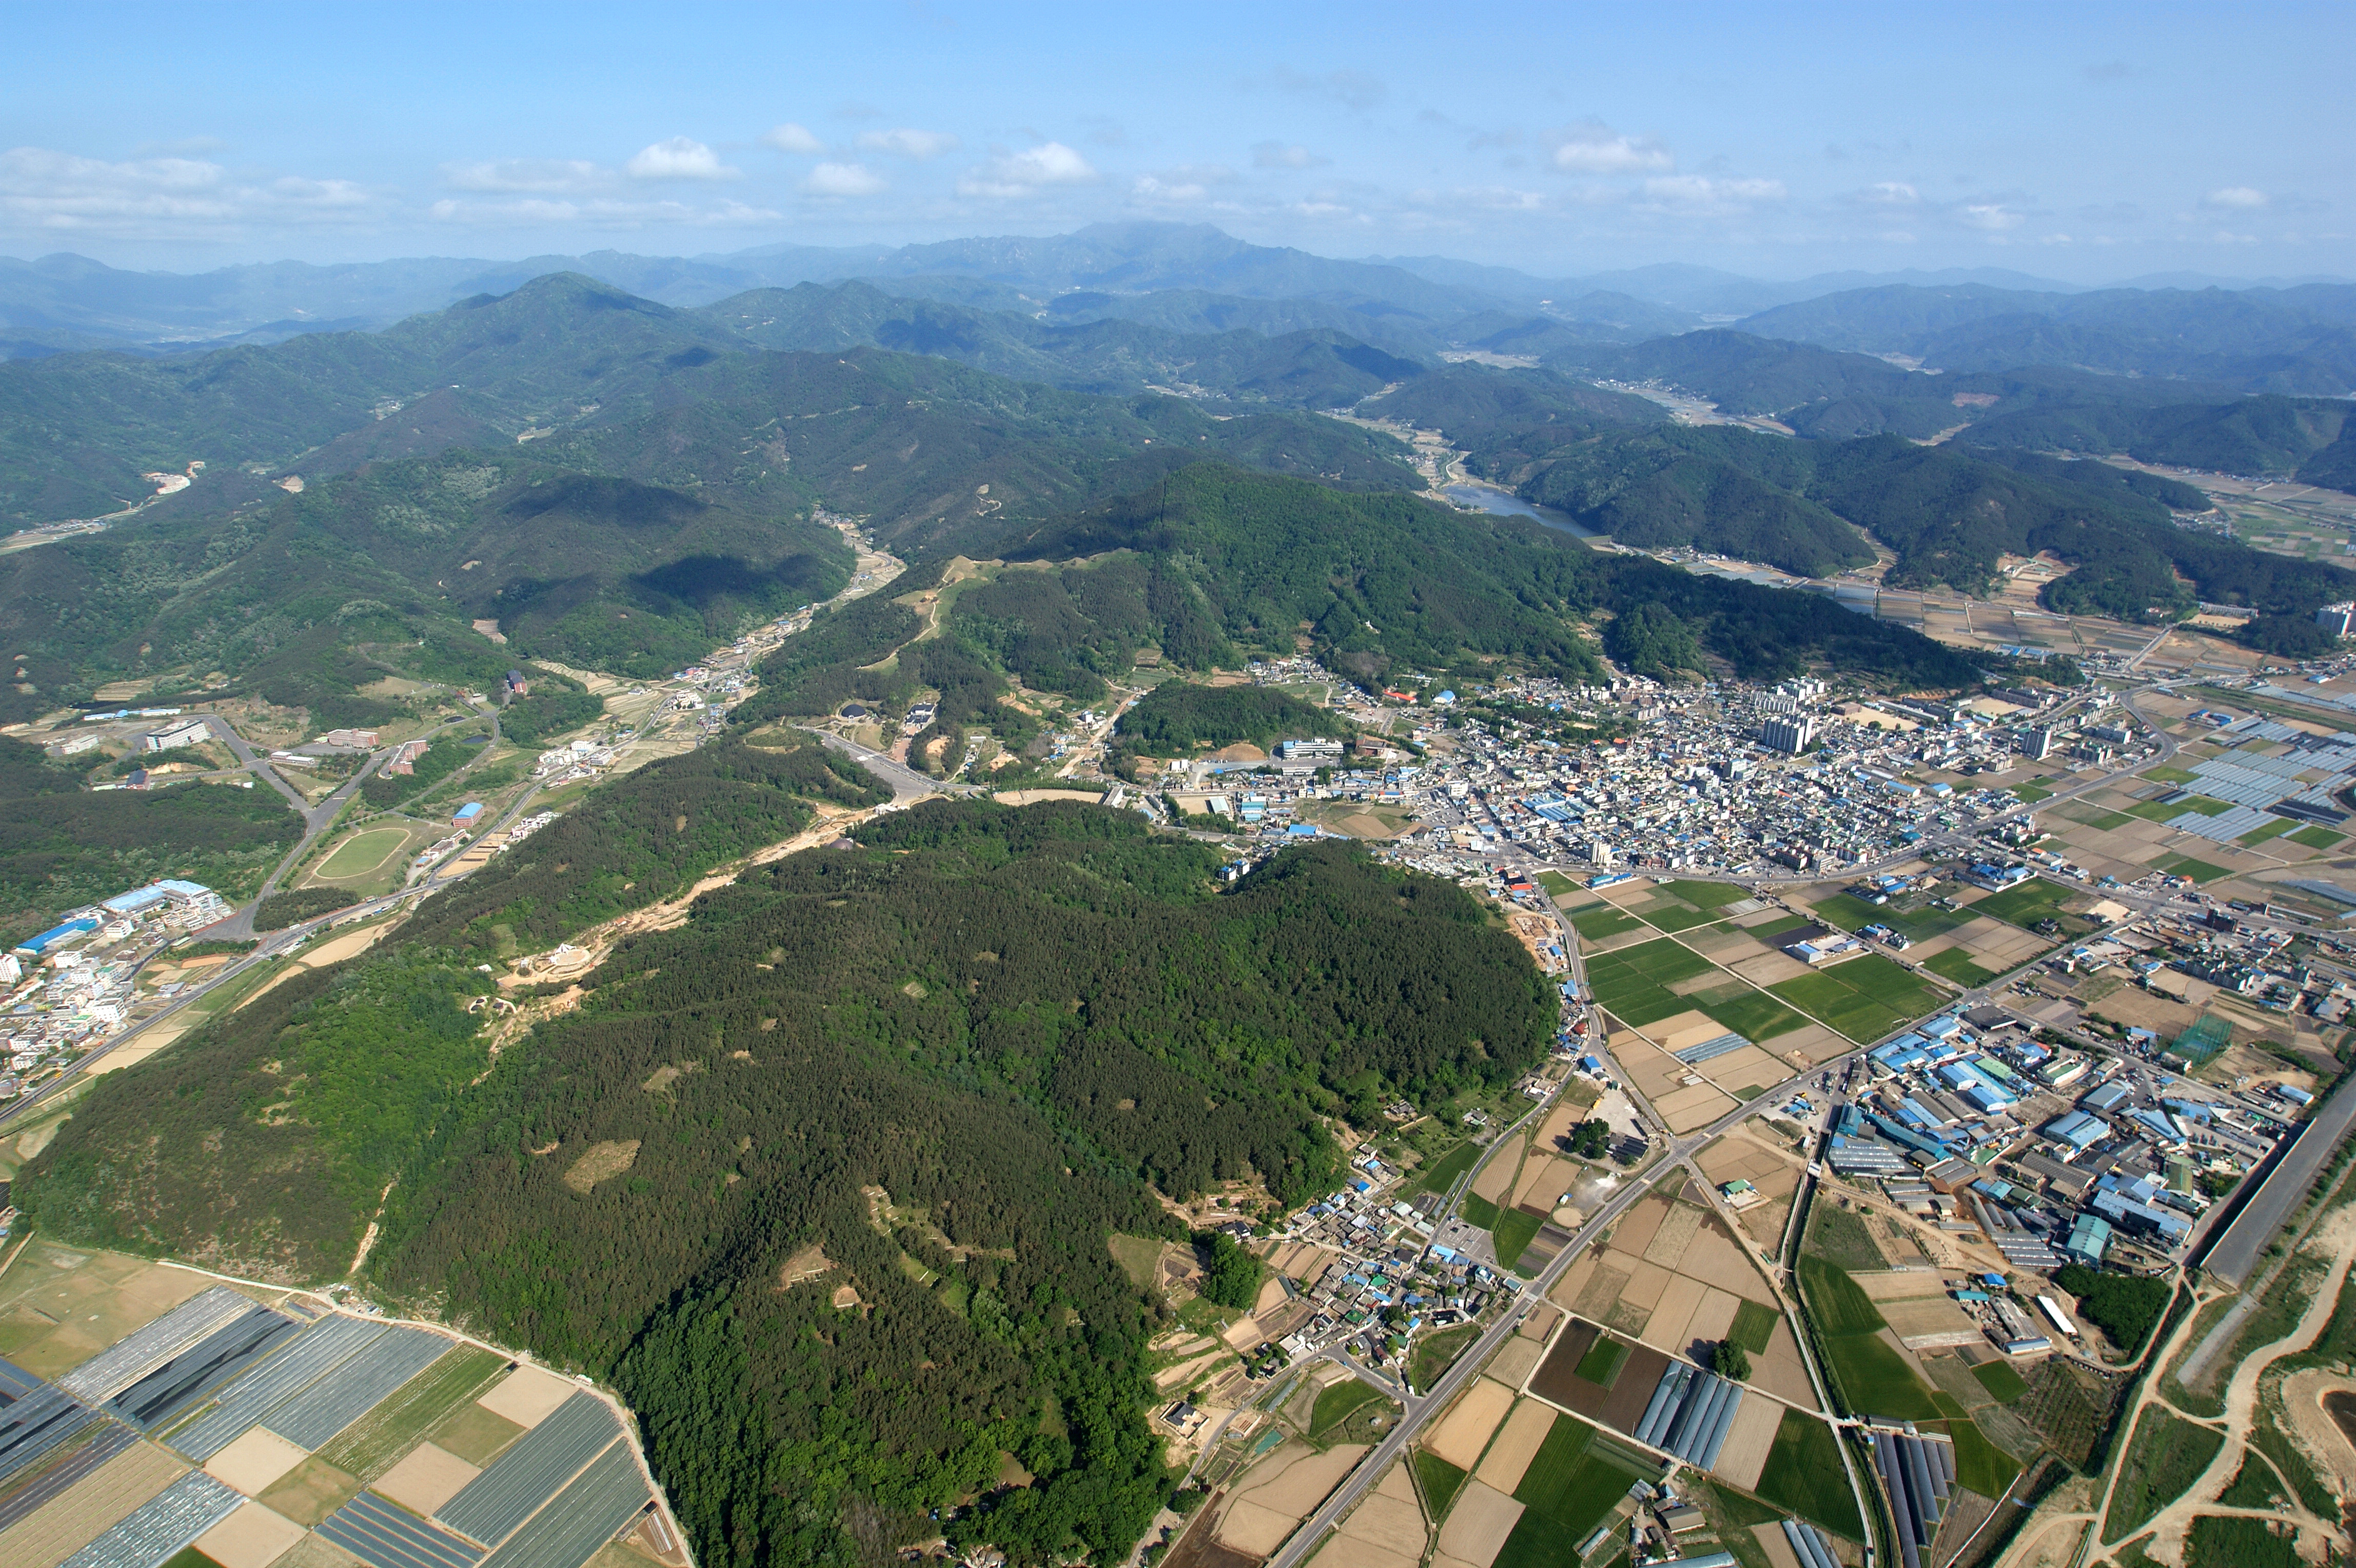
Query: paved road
907 784
2237 1252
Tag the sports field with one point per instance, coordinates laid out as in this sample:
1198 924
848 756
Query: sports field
1864 998
363 852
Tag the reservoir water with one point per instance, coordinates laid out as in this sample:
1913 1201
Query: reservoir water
1504 503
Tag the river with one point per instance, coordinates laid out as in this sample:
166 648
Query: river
1504 503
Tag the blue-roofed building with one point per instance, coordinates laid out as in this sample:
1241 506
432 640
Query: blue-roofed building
134 901
2090 1238
2123 1210
2105 1099
1987 1099
58 934
2077 1132
1939 1028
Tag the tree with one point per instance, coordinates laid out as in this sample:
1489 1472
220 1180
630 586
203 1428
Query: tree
1728 1359
1231 1276
1592 1139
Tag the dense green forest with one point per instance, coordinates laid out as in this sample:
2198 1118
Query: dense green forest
1176 719
62 846
1001 1024
280 910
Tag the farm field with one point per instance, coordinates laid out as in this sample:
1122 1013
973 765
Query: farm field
1864 998
305 1421
1635 982
2025 903
1803 1476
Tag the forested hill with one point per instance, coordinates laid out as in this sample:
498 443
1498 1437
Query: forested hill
1949 511
938 1069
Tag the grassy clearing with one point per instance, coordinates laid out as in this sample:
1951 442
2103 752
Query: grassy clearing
2216 1541
1137 1256
1441 1173
1439 1479
2004 1384
2167 775
1635 982
1840 1239
2316 836
1863 999
1803 1476
1435 1353
1754 1326
1594 925
1512 1233
1338 1403
2166 1454
1755 1015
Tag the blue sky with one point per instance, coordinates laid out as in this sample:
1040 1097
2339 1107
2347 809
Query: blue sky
2086 141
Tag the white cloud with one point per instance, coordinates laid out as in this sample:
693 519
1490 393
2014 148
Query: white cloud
681 157
1889 193
2239 198
1179 193
1593 147
792 138
1697 193
2227 237
1992 217
543 175
1278 155
46 189
842 179
1026 172
910 143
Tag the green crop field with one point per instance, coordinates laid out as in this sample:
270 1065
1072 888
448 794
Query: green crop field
1875 1379
1570 1487
2316 836
1780 925
1958 965
2185 865
1754 1326
2024 903
1441 1481
1435 1353
1838 1303
1803 1476
1603 921
1864 998
368 1448
1709 894
2167 775
1979 1463
1479 1211
1559 885
1512 1234
2029 794
2264 832
1755 1015
1635 982
1671 915
1603 1361
2000 1381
